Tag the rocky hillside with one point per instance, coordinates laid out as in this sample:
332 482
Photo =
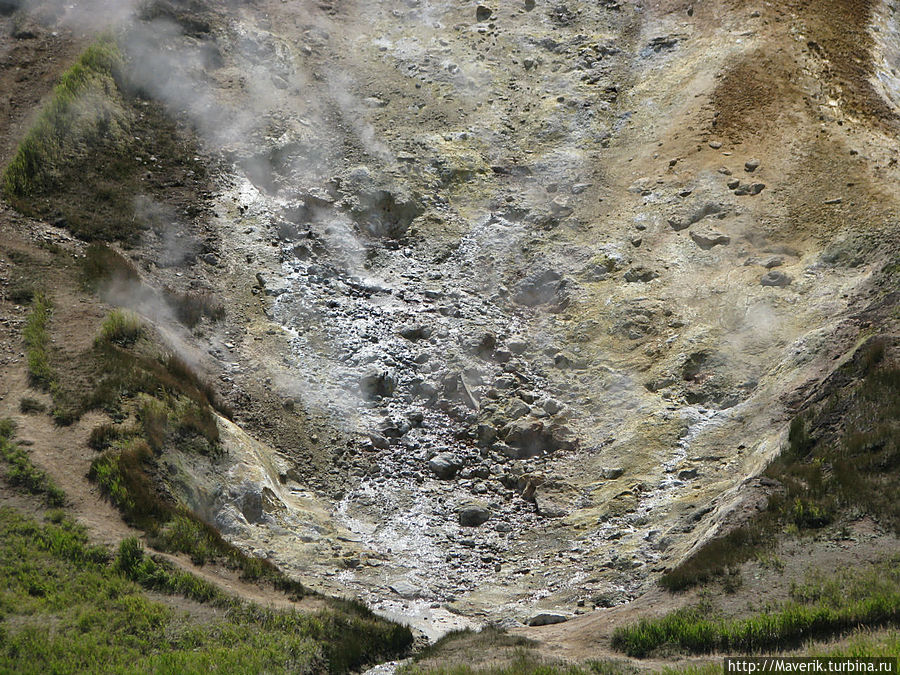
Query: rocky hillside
519 298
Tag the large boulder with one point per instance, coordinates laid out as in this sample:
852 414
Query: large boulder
547 619
775 278
531 437
706 238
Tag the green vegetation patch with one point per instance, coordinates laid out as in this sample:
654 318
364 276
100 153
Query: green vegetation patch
96 151
842 456
78 114
821 608
21 472
121 327
35 337
66 608
492 650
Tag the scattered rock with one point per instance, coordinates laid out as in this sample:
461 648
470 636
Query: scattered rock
473 514
376 382
444 465
414 332
640 274
612 473
775 278
517 347
543 288
706 238
530 437
836 200
483 13
566 360
548 508
751 165
547 619
715 145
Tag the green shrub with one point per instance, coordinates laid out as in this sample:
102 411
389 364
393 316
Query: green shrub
103 621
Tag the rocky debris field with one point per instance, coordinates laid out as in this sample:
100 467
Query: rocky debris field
538 285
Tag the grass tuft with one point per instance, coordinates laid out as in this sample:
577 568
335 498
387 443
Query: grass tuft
29 405
35 338
121 327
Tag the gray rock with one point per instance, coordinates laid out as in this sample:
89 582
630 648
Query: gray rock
473 514
377 382
517 408
540 289
444 465
486 435
548 508
640 274
612 473
751 165
414 332
531 437
405 589
688 474
547 619
706 238
566 360
517 346
775 278
560 209
552 406
483 13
